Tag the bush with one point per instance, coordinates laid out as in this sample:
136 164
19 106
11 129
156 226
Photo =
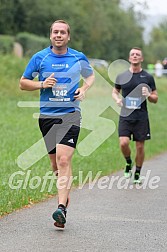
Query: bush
6 44
31 43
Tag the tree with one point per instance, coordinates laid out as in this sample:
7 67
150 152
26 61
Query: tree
157 47
101 29
11 16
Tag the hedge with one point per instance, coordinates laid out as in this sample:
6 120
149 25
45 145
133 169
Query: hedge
6 44
31 43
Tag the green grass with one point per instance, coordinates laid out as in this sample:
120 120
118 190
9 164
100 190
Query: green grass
19 130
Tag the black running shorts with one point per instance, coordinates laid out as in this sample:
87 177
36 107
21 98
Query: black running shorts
139 129
62 129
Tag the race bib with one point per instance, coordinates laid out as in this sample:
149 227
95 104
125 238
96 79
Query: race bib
133 102
60 93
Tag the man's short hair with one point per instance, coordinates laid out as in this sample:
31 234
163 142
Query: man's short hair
60 21
136 48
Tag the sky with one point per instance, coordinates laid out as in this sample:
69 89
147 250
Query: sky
155 6
154 14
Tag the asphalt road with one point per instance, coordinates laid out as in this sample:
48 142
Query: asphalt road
112 216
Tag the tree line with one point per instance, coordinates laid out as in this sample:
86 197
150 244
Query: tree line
101 29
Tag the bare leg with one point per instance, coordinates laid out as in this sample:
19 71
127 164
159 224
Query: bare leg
53 163
139 153
124 146
64 155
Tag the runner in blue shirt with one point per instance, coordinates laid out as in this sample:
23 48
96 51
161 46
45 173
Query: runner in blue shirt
59 69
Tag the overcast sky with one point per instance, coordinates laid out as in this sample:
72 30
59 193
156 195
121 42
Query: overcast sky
157 6
154 6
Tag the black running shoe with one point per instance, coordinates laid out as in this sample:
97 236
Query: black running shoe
128 171
137 179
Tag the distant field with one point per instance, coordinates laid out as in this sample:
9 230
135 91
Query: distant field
19 131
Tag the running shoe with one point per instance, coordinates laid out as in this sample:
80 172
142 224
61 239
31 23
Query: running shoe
60 216
128 171
137 179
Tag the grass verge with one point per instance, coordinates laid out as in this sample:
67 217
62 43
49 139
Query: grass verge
19 131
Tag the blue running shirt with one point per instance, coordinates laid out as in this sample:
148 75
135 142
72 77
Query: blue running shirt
68 69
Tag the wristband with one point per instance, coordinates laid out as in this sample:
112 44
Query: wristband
41 84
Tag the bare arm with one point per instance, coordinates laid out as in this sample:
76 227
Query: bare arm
116 96
31 85
152 96
88 82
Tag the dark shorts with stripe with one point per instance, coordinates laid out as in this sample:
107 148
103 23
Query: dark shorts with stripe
63 129
139 129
